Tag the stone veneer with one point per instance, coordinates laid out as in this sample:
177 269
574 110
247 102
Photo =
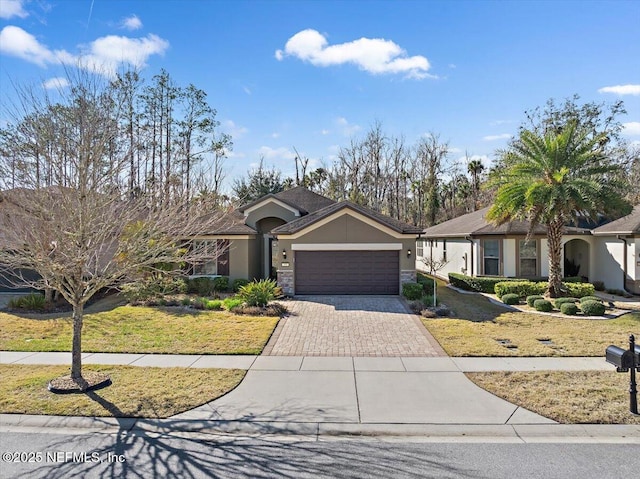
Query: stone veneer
285 281
408 276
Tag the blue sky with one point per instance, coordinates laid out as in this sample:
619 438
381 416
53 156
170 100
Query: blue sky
311 75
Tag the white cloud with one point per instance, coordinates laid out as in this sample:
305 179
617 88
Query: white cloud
632 128
12 8
621 89
373 55
271 154
56 83
236 131
275 135
454 149
103 55
348 129
131 23
500 122
501 136
325 132
247 90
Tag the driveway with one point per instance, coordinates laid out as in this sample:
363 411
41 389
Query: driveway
351 326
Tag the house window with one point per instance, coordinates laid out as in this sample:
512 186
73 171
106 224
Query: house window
216 261
491 259
528 258
444 249
420 248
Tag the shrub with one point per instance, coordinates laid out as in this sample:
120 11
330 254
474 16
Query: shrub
521 288
531 299
221 283
32 301
572 279
598 285
560 301
427 301
412 291
215 305
618 292
202 286
482 284
590 298
425 281
186 302
259 293
542 305
510 298
239 283
570 309
592 308
230 303
578 290
152 288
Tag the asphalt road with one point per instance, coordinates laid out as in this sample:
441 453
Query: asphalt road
146 455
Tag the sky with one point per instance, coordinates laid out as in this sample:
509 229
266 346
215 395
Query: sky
313 75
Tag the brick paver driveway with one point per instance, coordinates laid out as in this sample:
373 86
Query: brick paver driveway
351 326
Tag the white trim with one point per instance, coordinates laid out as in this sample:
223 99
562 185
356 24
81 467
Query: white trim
359 216
346 246
271 200
225 237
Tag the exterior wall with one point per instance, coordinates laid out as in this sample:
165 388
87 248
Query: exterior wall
269 209
579 250
458 255
240 259
607 265
509 257
544 258
347 229
633 283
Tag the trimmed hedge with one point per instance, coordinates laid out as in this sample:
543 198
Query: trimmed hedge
579 290
425 281
521 288
412 291
239 283
511 299
590 298
570 309
542 305
560 301
531 299
592 308
484 284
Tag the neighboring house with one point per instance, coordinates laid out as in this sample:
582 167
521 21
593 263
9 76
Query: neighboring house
474 246
313 245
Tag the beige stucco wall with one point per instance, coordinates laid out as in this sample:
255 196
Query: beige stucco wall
242 259
269 209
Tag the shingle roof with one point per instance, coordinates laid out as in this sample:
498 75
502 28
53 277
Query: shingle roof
300 198
629 224
303 222
232 223
476 224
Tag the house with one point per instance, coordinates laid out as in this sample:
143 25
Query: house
313 245
472 245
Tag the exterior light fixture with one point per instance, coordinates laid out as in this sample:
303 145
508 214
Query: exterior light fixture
408 253
284 253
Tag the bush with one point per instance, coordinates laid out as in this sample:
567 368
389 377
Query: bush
221 283
542 305
186 302
560 301
510 298
531 299
425 281
521 288
590 298
239 283
578 290
32 302
202 286
215 305
598 285
618 292
230 303
412 291
259 293
427 301
483 284
146 289
572 279
592 308
570 309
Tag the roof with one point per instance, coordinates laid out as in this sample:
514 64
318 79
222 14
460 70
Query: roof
627 225
308 220
300 198
476 224
232 223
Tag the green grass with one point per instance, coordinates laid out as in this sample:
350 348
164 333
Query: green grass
478 323
135 392
128 329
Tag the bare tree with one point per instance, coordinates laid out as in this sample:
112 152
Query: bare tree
82 231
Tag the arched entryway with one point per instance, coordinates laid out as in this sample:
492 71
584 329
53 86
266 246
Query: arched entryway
268 249
576 258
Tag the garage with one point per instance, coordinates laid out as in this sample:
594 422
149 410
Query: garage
347 272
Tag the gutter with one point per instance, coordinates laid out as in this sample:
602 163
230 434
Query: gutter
624 263
470 240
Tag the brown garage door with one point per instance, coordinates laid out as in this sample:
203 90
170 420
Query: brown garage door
347 272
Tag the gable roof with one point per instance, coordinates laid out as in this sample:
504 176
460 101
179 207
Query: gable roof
476 224
308 220
300 198
628 225
232 223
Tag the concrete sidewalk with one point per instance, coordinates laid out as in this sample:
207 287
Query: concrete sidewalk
428 399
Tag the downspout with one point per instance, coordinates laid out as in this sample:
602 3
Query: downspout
624 263
470 240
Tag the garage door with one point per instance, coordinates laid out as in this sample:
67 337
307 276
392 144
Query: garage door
347 272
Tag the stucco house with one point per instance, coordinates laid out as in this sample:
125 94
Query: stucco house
474 246
314 245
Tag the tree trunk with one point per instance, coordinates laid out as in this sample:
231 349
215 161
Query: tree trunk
554 238
76 348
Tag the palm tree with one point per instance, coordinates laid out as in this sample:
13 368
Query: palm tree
555 177
475 169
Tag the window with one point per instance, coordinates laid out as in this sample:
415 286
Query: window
528 258
444 249
491 258
420 248
217 258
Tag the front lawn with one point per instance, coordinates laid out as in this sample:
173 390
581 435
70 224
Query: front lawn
478 324
128 329
589 397
135 392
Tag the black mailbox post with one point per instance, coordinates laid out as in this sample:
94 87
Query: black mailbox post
624 361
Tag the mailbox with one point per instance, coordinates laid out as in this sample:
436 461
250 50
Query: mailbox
623 359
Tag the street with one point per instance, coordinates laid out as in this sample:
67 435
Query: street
194 455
